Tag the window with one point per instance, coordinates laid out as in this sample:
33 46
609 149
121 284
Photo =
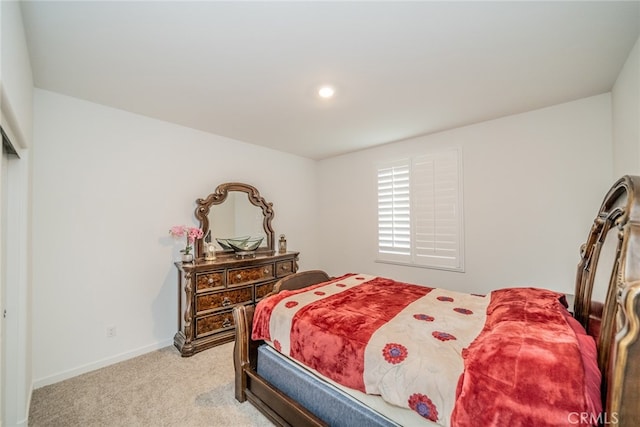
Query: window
420 218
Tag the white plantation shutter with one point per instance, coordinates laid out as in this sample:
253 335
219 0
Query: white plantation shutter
437 210
394 227
420 211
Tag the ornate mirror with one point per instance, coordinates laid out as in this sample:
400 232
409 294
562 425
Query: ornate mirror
235 210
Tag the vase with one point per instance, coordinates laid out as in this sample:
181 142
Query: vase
187 257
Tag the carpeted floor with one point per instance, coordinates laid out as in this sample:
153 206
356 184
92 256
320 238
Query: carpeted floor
157 389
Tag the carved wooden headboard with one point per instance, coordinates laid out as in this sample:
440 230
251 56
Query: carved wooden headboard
615 324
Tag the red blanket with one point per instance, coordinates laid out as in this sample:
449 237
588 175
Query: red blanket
525 368
456 359
378 336
333 340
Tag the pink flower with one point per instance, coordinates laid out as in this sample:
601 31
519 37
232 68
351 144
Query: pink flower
191 234
194 233
177 231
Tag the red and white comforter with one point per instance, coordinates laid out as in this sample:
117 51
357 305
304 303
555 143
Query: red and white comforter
401 341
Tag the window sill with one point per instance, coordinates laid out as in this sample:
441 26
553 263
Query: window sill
430 267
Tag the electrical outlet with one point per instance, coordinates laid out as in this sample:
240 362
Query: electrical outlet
111 331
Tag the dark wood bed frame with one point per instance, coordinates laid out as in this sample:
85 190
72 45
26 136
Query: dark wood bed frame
614 324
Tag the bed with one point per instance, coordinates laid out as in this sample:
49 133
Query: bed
334 351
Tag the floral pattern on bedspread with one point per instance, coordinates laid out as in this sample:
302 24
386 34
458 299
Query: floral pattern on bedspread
400 341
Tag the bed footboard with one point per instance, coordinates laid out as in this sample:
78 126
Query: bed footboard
244 351
275 405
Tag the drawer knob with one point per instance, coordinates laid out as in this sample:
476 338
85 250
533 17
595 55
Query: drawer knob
285 267
266 271
238 276
226 301
210 279
226 323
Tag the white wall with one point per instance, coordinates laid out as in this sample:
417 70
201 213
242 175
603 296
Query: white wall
16 81
532 185
107 186
625 98
16 98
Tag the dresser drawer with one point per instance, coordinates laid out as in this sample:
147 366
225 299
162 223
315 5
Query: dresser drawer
263 289
284 268
250 274
207 325
224 299
209 281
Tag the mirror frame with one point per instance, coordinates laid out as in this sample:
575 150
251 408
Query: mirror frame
218 197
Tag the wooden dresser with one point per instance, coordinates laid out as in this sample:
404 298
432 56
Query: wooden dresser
208 291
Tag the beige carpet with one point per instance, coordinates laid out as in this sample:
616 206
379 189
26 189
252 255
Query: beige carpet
157 389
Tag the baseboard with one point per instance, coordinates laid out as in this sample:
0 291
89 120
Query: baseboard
52 379
25 422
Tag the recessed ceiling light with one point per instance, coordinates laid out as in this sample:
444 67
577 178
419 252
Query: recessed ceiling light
326 92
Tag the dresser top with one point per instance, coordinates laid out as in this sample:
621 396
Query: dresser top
230 261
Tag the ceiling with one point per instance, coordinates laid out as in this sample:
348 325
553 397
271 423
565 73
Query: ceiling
250 71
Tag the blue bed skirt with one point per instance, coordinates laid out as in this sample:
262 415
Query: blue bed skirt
319 397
